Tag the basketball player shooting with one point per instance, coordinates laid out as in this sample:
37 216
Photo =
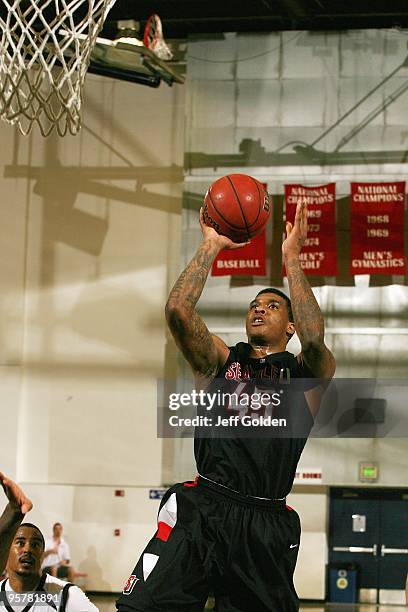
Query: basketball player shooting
230 531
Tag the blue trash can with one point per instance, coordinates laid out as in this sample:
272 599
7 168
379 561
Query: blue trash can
343 582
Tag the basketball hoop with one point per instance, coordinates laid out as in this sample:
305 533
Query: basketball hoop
154 40
42 62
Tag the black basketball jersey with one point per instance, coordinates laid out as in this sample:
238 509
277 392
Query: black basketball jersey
264 466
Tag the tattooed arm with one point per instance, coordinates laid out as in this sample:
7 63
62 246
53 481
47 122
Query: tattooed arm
309 323
204 351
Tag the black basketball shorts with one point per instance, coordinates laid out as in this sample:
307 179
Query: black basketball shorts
210 539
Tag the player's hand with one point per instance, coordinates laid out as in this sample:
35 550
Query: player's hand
18 500
296 234
209 233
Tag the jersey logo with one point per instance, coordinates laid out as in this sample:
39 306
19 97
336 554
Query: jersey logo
270 371
129 586
235 372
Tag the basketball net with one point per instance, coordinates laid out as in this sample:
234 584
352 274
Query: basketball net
153 38
42 62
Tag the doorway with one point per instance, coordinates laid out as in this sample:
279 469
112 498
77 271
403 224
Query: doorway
369 527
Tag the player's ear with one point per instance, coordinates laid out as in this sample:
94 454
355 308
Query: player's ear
290 329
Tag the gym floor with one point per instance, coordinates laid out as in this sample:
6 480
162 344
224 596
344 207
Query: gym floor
106 603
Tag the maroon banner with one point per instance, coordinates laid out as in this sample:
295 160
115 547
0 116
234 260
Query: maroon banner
319 254
377 228
246 261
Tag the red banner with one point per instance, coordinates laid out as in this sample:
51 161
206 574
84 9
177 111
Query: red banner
377 228
319 254
247 261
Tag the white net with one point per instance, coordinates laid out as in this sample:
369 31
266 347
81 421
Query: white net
161 49
154 40
43 61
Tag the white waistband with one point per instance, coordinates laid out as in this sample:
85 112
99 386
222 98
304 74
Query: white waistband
239 492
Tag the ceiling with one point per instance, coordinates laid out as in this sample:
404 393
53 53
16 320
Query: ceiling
182 18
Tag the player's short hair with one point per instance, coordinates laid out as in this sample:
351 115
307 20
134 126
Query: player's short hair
36 528
282 295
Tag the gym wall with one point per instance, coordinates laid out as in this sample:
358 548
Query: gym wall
89 238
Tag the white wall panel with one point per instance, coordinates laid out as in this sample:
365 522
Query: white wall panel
367 51
352 92
13 213
309 55
214 138
10 429
89 516
310 571
265 96
91 426
214 61
303 101
259 56
212 103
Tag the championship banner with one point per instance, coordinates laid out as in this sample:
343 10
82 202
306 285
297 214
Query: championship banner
377 228
249 260
319 254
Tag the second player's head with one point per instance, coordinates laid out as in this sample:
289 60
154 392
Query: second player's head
269 319
26 552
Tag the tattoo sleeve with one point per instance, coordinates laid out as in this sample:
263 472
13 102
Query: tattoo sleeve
187 327
308 317
309 322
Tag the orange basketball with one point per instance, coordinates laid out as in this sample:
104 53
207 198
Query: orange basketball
237 206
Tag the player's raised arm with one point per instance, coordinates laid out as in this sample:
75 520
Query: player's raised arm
205 352
18 505
308 317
